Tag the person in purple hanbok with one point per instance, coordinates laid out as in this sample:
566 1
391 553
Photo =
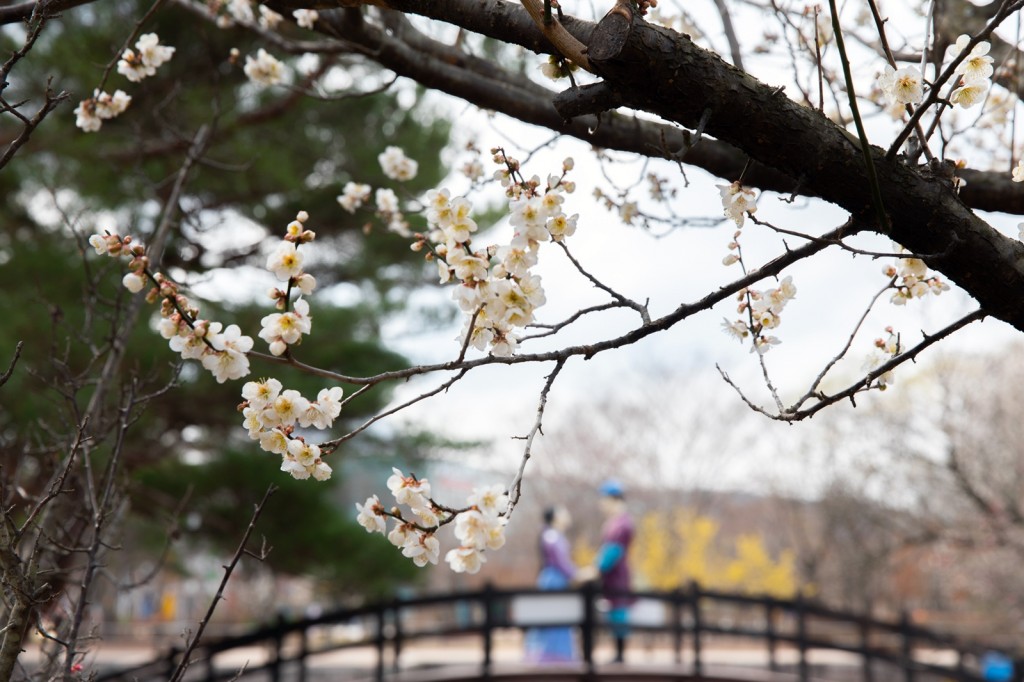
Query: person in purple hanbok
553 644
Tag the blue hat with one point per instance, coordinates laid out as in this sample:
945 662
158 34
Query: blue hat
612 488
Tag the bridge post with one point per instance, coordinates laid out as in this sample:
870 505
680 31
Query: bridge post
303 652
801 637
769 633
588 626
278 640
908 647
396 649
867 669
677 624
487 597
381 637
698 664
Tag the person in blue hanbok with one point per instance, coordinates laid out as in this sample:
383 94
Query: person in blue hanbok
553 644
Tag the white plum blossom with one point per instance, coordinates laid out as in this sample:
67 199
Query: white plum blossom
145 59
302 461
132 67
274 441
306 18
491 499
305 283
321 470
762 344
86 117
551 69
151 52
322 412
426 549
133 282
978 64
265 69
102 106
240 10
269 19
285 409
283 329
402 534
1018 172
386 200
408 489
969 93
465 560
285 262
902 86
291 466
259 394
228 359
371 515
192 345
737 329
396 165
353 195
110 106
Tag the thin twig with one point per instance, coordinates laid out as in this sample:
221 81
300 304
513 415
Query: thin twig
331 445
862 384
186 656
516 488
865 146
14 361
629 303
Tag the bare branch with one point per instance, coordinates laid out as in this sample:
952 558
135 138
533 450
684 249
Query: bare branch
516 487
186 656
5 377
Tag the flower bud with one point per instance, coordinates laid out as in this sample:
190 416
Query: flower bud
133 282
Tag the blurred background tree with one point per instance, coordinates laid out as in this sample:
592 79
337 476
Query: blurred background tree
269 154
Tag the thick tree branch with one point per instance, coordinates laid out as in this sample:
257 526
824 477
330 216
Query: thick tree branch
481 82
695 87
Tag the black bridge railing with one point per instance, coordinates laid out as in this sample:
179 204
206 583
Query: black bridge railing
684 619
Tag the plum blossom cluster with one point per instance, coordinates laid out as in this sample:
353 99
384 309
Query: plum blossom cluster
911 280
885 349
145 59
628 210
737 201
264 69
271 415
496 289
102 106
478 527
221 351
397 166
763 310
286 328
906 85
974 72
305 18
134 65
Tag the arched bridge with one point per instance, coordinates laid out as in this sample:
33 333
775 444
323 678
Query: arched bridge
689 634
